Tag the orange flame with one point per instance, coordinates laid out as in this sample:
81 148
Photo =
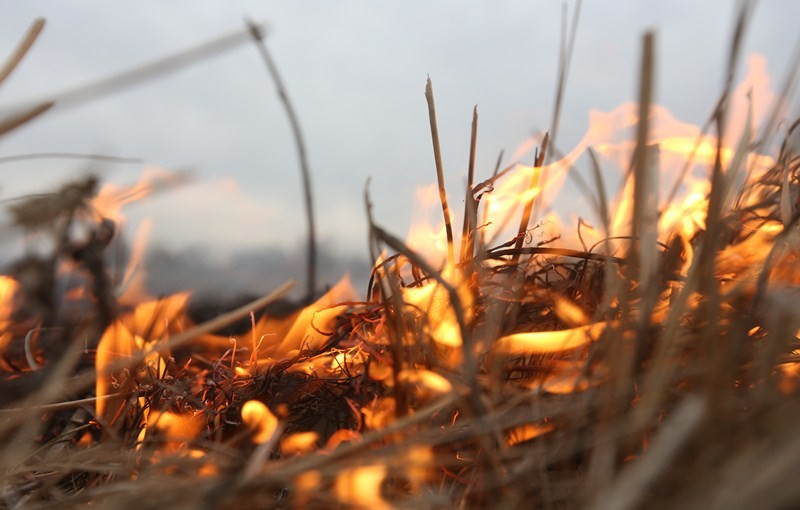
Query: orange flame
8 289
176 430
135 333
361 487
116 344
312 327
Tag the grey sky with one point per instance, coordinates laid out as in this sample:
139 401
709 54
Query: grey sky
356 72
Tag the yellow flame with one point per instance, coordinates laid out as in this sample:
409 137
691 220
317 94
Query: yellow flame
315 323
152 319
361 487
429 384
257 417
569 313
434 300
543 342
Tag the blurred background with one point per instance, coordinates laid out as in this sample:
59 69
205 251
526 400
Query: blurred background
355 71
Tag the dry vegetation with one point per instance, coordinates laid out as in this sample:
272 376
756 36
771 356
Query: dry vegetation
660 375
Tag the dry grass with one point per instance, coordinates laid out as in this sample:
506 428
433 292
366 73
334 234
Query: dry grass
684 396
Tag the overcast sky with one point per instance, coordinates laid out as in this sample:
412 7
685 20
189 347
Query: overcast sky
355 71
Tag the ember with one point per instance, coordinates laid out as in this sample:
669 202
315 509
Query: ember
611 363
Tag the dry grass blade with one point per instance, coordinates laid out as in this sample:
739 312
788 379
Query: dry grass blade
395 324
17 119
24 46
564 58
470 205
132 77
634 480
534 192
437 154
622 356
70 155
305 171
645 195
603 209
60 406
720 352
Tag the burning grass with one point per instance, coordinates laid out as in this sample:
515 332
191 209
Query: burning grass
656 366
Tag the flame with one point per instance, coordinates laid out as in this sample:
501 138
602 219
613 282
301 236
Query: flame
527 432
174 429
154 319
361 487
433 299
117 344
299 443
609 135
305 485
8 290
312 327
440 308
258 418
113 197
417 463
379 413
135 333
544 342
430 385
567 376
570 313
133 289
206 468
108 204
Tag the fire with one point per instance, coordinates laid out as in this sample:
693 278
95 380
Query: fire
258 418
361 487
116 345
299 443
310 328
421 377
8 289
524 433
609 136
138 332
174 430
429 384
544 342
434 300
